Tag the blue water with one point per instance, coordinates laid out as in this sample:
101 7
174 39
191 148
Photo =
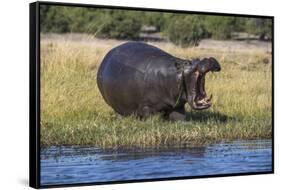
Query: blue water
68 165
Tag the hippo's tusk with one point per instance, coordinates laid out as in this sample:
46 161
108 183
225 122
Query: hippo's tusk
209 99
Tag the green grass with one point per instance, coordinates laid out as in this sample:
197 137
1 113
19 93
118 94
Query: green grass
73 111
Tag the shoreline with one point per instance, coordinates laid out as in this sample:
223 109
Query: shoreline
175 146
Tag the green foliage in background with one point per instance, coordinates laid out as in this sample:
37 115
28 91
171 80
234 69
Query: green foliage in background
186 30
260 27
220 26
181 29
120 25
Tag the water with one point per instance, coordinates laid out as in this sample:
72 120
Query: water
68 165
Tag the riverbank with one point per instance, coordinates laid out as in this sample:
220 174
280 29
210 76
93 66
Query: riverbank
74 113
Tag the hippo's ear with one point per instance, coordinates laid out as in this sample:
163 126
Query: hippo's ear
181 65
196 60
188 69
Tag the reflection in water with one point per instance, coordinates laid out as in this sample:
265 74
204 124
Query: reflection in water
66 165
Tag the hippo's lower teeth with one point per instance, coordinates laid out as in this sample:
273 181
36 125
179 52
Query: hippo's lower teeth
203 101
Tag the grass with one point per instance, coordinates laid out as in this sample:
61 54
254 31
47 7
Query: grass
73 111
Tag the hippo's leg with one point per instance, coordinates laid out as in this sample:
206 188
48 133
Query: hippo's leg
144 112
177 115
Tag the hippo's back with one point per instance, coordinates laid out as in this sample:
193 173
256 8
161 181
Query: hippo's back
128 71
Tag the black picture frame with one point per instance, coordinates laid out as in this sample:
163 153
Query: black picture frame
34 92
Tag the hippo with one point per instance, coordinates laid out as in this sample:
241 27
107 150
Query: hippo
140 79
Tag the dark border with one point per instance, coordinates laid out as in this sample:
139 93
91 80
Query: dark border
272 81
34 93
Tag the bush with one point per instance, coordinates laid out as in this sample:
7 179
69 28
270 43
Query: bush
220 27
260 27
120 25
186 30
158 20
54 19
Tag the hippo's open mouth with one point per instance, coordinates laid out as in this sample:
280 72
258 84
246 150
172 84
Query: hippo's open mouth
200 100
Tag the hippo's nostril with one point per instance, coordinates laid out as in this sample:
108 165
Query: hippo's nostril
217 68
